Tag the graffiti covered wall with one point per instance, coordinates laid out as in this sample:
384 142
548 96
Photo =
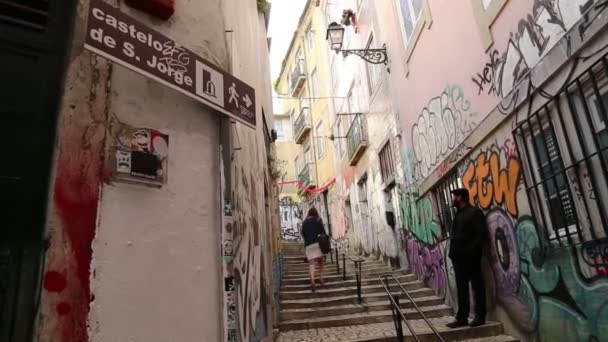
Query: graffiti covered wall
530 287
291 219
538 293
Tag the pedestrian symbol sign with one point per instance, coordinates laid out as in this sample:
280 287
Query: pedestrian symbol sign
153 55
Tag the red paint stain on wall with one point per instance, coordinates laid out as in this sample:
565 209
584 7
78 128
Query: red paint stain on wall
76 197
63 308
76 194
54 281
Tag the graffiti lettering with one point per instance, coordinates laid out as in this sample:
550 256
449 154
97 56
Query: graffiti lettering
441 126
536 34
427 261
595 254
418 218
290 219
248 260
503 252
488 183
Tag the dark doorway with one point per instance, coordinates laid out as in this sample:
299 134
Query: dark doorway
34 36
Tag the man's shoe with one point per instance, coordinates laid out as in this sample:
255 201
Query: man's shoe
477 322
456 324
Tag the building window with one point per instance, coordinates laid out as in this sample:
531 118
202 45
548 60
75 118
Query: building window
334 72
278 127
315 84
297 166
373 70
565 146
310 37
443 198
320 140
364 212
410 13
485 13
387 163
599 106
303 102
340 134
351 103
414 16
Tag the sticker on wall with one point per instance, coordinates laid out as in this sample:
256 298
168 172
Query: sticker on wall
140 156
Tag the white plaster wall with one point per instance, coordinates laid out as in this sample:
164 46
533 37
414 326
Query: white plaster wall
156 265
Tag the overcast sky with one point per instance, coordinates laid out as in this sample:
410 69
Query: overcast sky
284 18
283 21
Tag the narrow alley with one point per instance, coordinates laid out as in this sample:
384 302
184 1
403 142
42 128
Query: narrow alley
304 170
334 313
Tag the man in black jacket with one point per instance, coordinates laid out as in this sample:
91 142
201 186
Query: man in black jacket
466 249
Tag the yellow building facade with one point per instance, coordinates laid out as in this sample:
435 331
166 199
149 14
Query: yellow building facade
303 88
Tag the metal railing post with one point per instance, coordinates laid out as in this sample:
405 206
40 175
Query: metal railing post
358 272
398 315
343 266
397 319
337 261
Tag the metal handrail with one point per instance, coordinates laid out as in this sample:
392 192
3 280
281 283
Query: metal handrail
358 262
384 280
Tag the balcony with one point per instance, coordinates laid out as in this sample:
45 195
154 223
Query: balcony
302 125
356 140
306 176
297 78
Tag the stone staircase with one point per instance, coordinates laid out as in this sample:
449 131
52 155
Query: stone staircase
333 314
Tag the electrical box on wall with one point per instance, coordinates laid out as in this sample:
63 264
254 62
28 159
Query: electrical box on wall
162 9
140 155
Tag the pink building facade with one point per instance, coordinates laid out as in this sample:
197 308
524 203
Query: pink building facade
508 99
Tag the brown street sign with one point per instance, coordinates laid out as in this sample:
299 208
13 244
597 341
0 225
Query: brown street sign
124 40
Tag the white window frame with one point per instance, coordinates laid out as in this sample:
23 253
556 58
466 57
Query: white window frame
413 16
310 37
373 71
281 131
340 133
296 165
320 140
314 80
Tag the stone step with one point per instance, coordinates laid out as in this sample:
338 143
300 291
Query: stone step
312 302
303 266
365 272
368 268
362 318
305 285
344 291
326 311
497 338
333 278
385 332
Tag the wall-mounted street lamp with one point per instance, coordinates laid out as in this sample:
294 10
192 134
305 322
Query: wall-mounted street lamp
335 35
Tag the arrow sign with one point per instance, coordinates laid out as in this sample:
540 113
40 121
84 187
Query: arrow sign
247 100
160 58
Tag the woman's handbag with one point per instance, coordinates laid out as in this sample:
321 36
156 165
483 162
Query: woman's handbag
324 243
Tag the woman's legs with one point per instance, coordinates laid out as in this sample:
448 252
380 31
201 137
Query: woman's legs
321 262
312 264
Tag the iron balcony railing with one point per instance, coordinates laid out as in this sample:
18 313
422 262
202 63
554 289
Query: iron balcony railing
356 140
305 176
398 315
297 78
302 125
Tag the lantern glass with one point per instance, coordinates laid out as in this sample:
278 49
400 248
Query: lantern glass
335 35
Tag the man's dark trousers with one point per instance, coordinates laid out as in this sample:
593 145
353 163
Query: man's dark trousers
468 270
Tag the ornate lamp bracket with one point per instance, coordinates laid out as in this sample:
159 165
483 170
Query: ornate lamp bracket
373 56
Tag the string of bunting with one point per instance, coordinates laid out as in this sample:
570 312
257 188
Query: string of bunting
307 189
